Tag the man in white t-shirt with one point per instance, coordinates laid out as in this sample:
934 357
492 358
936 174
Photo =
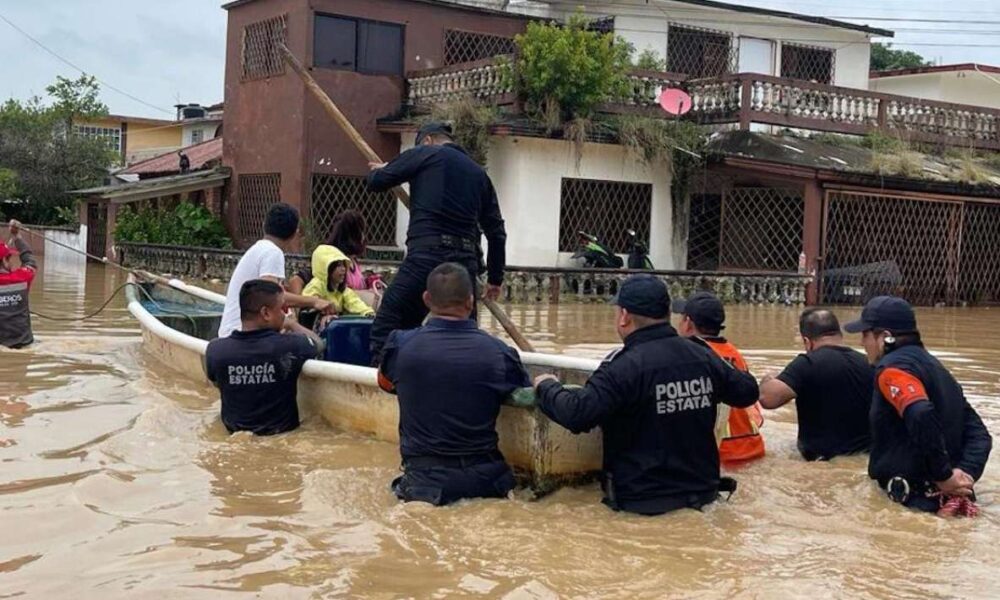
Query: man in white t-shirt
266 260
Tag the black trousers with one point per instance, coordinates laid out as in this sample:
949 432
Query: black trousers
403 304
443 485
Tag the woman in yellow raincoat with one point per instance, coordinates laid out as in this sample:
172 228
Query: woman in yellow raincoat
329 266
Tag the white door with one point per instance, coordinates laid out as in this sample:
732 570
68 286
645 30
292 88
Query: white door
756 56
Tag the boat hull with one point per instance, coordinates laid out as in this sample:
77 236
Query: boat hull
544 455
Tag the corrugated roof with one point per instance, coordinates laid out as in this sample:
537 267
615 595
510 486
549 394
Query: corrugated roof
159 186
198 154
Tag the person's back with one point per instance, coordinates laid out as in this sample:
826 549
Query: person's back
451 379
15 283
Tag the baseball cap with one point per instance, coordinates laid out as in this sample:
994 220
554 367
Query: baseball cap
644 295
6 251
885 312
433 128
704 308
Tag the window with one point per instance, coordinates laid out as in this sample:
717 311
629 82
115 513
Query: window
370 47
467 46
113 135
607 209
260 57
807 62
197 136
255 193
333 194
700 52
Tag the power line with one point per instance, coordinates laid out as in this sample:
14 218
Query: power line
67 62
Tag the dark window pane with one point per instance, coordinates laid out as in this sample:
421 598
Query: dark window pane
334 43
380 48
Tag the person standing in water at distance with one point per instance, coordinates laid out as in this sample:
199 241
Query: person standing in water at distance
452 200
257 367
929 446
451 378
15 283
832 385
266 260
655 401
702 320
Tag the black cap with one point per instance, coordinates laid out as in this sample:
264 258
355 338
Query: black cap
644 295
433 128
704 308
885 312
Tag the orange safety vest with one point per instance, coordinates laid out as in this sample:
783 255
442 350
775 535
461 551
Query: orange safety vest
743 440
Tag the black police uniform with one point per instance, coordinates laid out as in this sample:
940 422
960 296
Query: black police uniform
931 437
451 200
451 379
656 402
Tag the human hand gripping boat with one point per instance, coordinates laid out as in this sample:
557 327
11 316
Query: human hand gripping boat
178 319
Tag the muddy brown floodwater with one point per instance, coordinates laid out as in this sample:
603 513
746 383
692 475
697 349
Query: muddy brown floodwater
118 480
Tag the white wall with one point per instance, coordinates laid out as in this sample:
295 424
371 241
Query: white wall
645 25
207 130
528 174
961 87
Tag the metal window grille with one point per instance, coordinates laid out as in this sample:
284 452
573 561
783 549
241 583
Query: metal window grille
607 209
879 244
260 56
809 63
333 194
704 229
979 278
256 195
97 228
467 46
761 229
604 25
700 52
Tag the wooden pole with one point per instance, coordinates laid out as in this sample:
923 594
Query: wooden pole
404 198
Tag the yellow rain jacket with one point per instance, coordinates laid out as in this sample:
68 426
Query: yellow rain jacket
344 302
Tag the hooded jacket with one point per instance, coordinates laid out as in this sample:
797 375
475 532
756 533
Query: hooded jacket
345 302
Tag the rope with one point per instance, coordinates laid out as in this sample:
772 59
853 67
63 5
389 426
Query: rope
958 506
108 302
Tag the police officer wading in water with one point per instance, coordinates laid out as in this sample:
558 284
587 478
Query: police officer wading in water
655 401
929 446
451 200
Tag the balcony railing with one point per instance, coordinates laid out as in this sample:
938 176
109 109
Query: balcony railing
745 99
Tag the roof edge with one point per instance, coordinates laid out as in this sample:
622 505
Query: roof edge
953 68
438 3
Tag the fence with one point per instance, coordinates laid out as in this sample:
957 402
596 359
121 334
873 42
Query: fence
333 194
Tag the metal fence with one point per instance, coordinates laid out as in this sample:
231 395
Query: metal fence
333 194
467 46
700 52
260 55
607 209
761 229
256 194
704 231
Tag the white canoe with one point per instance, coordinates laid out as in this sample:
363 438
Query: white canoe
544 455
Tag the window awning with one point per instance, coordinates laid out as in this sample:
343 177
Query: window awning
155 188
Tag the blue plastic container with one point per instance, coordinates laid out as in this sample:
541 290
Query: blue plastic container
347 341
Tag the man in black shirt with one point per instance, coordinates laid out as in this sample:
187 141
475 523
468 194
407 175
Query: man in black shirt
656 402
451 200
451 378
832 386
257 369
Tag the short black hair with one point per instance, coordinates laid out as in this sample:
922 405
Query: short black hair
816 323
449 285
255 295
282 221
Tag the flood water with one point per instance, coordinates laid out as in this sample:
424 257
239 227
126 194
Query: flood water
118 480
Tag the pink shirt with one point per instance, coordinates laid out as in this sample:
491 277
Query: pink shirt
355 278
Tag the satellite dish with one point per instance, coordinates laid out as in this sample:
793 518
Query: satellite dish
675 102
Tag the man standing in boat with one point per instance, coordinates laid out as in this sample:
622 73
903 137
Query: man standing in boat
451 378
452 200
15 317
655 401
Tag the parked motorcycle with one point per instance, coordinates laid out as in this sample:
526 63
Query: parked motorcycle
638 254
595 254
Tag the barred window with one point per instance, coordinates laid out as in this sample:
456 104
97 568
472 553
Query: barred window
807 63
467 46
700 52
256 194
761 229
113 135
704 229
333 194
606 209
604 25
261 57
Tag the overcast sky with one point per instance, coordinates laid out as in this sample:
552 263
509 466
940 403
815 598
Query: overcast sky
165 51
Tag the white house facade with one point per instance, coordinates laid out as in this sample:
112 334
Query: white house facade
978 85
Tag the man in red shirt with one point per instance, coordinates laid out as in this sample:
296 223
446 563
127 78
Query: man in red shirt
15 318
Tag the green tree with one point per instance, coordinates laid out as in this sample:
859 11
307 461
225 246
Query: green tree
46 157
885 58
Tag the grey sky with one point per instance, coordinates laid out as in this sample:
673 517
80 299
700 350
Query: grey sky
162 51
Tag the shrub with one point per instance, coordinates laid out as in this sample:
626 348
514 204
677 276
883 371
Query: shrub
650 60
185 225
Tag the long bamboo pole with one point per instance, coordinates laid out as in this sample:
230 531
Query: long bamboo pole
366 150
